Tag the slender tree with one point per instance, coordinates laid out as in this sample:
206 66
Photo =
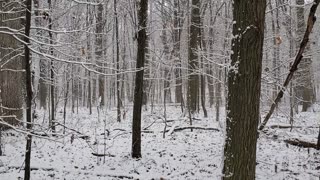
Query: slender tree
52 76
28 84
244 76
138 90
119 102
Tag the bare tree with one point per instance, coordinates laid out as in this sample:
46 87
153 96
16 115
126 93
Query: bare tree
28 84
244 76
193 64
138 91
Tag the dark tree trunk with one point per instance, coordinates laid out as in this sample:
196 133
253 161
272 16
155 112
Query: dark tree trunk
52 88
138 90
27 62
193 65
119 102
203 45
318 143
244 77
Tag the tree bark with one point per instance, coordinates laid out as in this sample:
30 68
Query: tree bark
119 102
244 76
99 54
176 52
11 79
52 87
193 64
27 62
138 91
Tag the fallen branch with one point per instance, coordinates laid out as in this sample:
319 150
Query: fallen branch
184 128
102 155
200 128
57 123
294 67
300 143
289 126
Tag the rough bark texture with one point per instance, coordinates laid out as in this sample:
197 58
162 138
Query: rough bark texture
244 76
138 91
28 83
193 64
11 81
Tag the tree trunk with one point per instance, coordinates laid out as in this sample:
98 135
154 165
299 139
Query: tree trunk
176 44
203 47
138 90
119 102
99 53
193 65
244 76
52 87
305 88
11 80
166 55
27 62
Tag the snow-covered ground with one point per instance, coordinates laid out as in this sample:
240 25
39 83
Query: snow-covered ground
180 155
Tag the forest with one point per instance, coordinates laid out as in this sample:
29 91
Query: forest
159 89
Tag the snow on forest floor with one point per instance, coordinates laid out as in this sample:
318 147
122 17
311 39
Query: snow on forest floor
180 155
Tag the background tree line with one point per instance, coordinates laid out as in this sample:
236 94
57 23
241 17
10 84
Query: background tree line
106 54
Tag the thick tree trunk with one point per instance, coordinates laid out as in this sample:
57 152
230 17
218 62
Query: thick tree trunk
193 64
11 80
138 91
244 76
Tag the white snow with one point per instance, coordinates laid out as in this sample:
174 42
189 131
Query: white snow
181 155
